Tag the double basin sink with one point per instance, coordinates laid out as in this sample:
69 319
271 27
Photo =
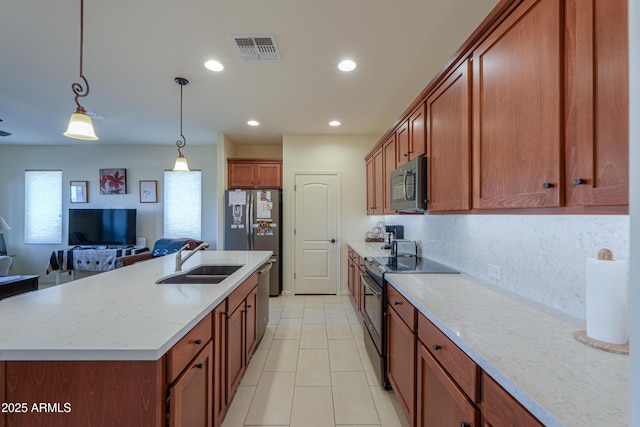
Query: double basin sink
204 274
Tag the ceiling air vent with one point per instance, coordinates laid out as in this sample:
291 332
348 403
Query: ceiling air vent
256 48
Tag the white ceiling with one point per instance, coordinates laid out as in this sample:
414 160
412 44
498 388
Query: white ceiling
133 49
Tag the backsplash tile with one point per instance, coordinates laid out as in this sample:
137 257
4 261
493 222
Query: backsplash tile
541 257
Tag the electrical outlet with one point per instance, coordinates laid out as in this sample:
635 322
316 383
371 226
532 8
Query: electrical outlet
494 271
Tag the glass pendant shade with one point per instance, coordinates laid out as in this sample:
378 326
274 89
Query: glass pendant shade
181 164
81 127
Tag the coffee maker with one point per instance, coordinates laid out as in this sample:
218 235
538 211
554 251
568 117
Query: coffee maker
392 232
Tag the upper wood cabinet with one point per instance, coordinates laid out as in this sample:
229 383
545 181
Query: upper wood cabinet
531 115
410 137
254 173
375 186
518 112
597 139
388 166
448 112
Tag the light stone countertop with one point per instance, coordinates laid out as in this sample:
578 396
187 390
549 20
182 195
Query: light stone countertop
369 249
527 348
121 314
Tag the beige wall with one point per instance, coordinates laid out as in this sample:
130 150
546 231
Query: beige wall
259 151
83 162
323 153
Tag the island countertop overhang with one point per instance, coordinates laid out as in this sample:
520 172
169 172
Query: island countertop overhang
117 315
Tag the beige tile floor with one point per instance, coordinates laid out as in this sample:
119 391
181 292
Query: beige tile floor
311 370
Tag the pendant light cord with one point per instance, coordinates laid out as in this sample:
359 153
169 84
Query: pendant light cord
181 143
77 88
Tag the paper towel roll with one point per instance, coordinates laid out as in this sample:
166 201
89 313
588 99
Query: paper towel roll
607 301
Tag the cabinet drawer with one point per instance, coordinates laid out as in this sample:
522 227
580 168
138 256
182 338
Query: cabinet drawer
186 349
499 408
242 292
461 368
402 306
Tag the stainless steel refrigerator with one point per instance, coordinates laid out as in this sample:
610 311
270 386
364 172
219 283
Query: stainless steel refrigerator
253 222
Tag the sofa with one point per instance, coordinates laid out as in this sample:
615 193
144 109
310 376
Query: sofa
161 247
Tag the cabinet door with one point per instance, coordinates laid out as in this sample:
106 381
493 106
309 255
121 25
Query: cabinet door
388 166
449 140
518 113
402 144
440 401
192 394
378 182
241 175
251 325
417 134
499 408
359 290
371 186
597 103
401 353
351 280
219 363
269 175
235 351
375 187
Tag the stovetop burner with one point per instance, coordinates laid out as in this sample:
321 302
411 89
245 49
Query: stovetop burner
413 264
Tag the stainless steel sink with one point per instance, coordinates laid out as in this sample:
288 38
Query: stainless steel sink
204 274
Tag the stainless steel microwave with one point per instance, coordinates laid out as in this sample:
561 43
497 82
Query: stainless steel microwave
409 186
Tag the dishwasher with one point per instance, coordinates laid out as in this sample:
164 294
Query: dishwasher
262 311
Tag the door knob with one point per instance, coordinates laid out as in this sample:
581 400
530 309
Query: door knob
333 240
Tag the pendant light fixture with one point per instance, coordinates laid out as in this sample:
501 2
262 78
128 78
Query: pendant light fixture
80 124
181 163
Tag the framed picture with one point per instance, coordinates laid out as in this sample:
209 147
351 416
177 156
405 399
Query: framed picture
148 191
78 192
113 181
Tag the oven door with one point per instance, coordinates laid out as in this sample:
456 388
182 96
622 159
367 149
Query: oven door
373 311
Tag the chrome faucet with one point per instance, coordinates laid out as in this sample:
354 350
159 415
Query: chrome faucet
180 260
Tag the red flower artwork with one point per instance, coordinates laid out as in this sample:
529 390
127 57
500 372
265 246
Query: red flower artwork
113 181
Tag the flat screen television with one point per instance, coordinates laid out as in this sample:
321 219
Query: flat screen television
102 227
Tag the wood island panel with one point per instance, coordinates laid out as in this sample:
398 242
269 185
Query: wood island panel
99 393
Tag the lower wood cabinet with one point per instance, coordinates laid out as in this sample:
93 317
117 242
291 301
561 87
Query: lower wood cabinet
219 362
355 267
499 408
401 355
440 402
191 396
240 333
436 382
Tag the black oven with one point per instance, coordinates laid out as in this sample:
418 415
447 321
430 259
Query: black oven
375 302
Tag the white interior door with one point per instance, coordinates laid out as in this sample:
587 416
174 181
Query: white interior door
316 234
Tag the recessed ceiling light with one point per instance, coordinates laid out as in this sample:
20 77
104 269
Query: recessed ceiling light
334 123
214 65
347 65
253 123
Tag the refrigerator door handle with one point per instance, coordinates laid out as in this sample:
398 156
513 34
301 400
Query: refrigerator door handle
248 224
251 242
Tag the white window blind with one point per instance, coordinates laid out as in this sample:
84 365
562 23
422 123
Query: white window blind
43 206
182 204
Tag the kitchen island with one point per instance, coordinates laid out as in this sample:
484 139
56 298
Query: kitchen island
525 347
96 351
